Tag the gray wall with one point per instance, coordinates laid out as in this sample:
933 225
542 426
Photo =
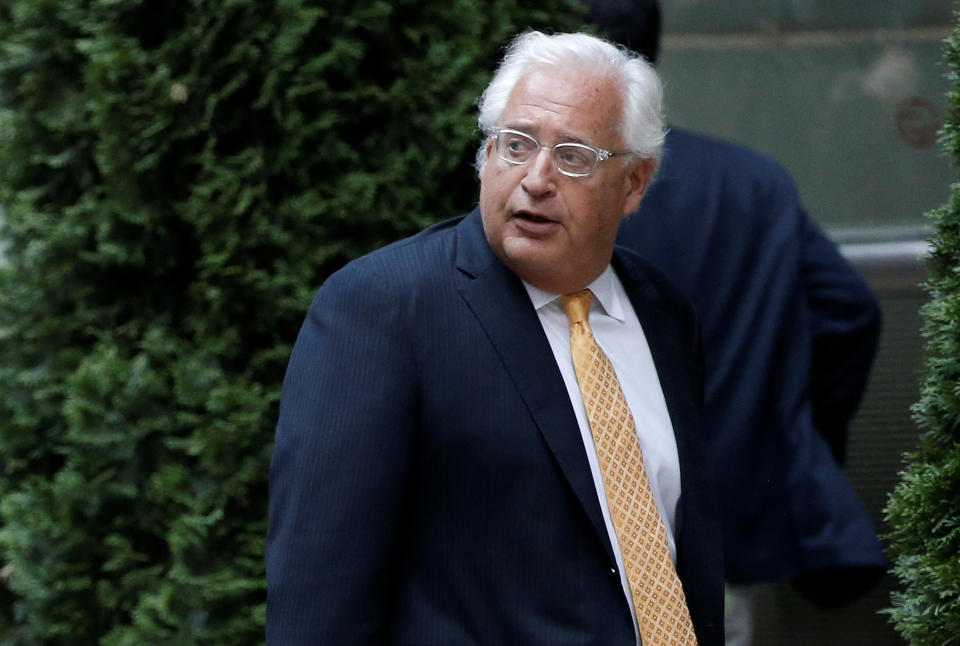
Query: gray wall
847 95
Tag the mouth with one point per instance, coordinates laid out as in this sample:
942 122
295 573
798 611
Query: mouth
532 218
534 225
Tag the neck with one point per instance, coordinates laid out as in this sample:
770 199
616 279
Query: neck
555 284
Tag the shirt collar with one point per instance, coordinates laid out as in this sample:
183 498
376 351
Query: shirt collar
604 293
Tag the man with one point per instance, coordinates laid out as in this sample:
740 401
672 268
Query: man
790 331
439 476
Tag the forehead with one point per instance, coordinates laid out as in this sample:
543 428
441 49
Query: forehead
568 102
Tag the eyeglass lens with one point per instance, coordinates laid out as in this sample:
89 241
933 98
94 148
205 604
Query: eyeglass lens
571 158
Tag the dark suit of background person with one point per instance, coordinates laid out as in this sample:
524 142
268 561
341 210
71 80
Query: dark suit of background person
790 332
429 483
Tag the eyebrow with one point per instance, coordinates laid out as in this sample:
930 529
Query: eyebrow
563 137
571 138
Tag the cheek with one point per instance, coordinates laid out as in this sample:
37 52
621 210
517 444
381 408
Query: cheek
485 186
494 188
605 210
491 209
593 207
488 206
615 200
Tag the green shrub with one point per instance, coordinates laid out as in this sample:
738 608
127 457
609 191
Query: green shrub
924 509
177 178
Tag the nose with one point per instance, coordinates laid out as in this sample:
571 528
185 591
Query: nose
539 180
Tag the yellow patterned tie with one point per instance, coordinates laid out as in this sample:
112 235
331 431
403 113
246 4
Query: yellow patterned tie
658 596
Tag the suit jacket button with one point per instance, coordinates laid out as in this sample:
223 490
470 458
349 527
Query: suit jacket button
613 570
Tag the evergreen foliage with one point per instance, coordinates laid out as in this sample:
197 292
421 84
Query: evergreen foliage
924 509
177 178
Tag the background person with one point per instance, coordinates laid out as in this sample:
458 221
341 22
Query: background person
790 332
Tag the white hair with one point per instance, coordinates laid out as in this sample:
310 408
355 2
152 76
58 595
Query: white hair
642 122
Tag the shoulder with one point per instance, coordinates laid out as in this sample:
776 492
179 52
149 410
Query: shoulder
717 183
400 265
688 153
689 146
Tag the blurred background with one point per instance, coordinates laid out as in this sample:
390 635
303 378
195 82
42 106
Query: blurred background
848 95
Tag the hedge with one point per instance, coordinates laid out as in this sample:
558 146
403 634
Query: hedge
924 509
177 178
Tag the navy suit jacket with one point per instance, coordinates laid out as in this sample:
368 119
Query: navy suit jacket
429 484
790 330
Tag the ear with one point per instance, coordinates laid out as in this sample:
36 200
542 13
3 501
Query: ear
637 179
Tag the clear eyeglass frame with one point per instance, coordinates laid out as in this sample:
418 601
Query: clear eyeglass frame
570 158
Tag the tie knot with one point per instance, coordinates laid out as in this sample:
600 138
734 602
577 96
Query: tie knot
577 305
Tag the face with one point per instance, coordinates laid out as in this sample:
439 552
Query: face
558 232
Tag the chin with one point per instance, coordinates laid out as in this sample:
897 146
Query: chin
530 253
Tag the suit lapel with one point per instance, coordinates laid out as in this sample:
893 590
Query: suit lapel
497 298
669 356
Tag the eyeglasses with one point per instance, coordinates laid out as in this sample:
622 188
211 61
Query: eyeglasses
571 159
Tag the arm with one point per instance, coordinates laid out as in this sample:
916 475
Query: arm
339 467
845 328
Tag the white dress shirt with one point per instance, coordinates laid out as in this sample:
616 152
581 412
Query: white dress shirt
619 334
